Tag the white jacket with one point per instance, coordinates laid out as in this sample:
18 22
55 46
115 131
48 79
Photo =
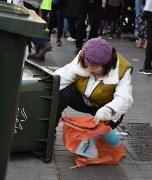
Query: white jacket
123 94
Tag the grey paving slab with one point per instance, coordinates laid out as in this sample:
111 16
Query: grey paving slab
12 176
48 177
63 177
138 179
146 167
60 148
25 166
64 158
62 153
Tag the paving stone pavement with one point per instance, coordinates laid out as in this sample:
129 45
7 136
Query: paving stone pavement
28 167
25 166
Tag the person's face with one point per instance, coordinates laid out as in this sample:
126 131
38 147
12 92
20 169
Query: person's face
95 70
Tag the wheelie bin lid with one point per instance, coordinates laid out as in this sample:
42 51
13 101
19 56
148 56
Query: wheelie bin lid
22 21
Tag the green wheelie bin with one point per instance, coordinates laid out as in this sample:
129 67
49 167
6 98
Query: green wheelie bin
17 24
37 107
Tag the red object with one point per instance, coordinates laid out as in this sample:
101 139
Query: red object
76 129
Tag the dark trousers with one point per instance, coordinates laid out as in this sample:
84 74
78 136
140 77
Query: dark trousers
94 12
70 96
45 15
72 26
52 23
60 22
148 59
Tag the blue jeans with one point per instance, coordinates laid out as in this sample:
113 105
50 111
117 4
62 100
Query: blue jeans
138 6
65 26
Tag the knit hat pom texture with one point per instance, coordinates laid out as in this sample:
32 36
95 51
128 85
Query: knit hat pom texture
97 51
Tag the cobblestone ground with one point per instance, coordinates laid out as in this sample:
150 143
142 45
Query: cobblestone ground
28 167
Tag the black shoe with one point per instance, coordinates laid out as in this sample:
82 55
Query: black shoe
76 51
145 71
59 42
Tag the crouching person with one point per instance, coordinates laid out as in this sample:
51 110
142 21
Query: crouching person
98 82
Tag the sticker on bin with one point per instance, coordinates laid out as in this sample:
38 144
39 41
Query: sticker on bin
21 117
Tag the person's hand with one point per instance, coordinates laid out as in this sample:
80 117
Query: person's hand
103 114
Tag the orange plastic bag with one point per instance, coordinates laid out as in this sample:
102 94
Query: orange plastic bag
77 129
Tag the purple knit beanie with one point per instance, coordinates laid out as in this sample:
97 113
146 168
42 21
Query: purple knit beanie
97 51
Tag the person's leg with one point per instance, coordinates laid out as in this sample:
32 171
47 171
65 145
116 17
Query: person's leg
112 28
145 44
138 6
148 59
60 21
52 21
66 32
45 14
147 69
131 24
102 25
72 26
95 19
139 42
65 27
70 96
81 27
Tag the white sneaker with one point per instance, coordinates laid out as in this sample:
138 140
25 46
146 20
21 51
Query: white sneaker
88 28
71 39
145 71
